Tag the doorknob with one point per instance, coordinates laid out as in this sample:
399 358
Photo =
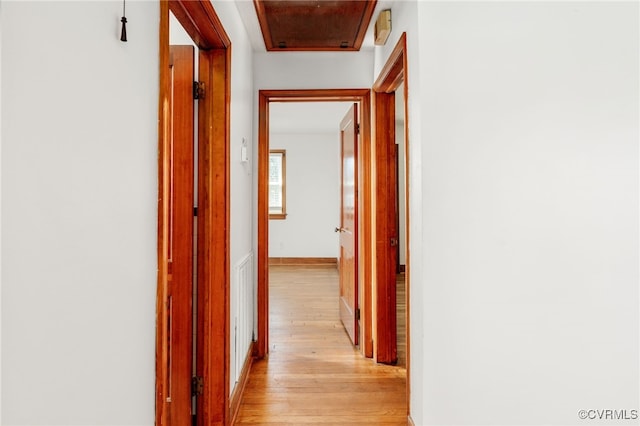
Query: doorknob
337 230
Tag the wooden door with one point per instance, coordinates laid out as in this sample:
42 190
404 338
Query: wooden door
396 212
348 224
180 270
386 229
201 22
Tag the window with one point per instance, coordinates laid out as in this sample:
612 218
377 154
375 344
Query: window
277 184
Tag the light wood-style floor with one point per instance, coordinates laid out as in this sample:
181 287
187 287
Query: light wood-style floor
313 374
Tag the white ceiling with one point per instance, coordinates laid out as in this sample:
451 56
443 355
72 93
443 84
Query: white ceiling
306 117
250 20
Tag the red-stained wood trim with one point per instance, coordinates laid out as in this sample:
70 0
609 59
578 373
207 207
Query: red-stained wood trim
365 228
314 95
364 24
393 72
164 120
262 342
264 24
205 28
363 96
213 241
201 22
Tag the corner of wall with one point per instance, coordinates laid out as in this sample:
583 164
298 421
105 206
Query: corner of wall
0 212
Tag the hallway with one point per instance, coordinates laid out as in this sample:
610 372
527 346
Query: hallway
313 375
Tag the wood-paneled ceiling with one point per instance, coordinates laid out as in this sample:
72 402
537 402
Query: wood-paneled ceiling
314 25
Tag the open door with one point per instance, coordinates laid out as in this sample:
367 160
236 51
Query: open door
348 225
391 79
173 368
386 229
180 264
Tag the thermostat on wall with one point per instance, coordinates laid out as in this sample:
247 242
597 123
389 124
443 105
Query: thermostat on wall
244 154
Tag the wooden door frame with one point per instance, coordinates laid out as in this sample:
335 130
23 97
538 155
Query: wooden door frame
201 22
393 74
363 96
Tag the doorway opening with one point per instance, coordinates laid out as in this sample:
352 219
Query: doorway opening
311 185
401 207
182 370
377 223
392 163
362 97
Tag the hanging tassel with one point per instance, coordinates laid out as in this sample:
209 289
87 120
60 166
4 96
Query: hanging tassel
123 33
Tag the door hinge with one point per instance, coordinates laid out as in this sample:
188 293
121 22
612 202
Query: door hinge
195 211
358 314
198 90
197 385
357 129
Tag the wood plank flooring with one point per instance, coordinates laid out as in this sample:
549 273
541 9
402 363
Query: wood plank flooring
313 374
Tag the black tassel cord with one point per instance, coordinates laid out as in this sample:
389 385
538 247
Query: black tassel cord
123 33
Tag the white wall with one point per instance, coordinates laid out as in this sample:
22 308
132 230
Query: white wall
242 224
529 295
178 35
313 196
79 195
313 70
0 211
